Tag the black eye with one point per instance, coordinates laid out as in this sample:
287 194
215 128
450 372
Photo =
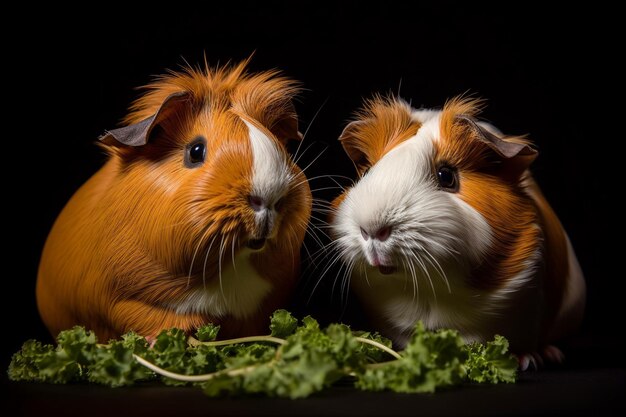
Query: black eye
195 153
448 178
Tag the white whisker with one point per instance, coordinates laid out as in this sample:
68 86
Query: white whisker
314 159
330 176
336 187
414 279
367 281
232 254
206 259
437 266
330 264
219 266
425 269
204 236
296 158
306 131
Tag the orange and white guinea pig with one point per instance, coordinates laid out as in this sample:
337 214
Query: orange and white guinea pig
197 216
447 226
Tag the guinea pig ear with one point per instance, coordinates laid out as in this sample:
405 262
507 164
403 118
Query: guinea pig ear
516 157
350 141
285 128
138 134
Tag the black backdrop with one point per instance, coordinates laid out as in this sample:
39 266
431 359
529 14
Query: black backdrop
542 72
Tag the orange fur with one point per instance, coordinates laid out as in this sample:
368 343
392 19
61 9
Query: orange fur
145 230
381 125
505 205
468 106
556 270
521 219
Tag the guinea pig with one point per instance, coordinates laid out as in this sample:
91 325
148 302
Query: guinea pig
197 216
446 225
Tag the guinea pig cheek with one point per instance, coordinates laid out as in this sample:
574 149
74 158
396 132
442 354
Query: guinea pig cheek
474 208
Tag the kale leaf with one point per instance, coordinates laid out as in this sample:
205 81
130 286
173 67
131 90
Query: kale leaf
296 360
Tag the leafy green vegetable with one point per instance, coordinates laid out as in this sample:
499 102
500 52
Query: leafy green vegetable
295 361
282 324
310 361
491 362
24 365
207 332
115 365
65 363
431 360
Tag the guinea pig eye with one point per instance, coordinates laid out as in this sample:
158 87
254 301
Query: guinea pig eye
448 178
195 152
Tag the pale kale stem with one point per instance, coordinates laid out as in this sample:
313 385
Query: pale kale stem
193 378
195 342
240 371
379 346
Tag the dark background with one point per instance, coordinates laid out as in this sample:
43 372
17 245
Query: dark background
545 73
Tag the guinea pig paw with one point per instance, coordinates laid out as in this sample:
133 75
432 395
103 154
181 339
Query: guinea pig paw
553 354
530 361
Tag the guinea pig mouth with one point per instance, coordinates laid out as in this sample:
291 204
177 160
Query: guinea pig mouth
387 269
256 244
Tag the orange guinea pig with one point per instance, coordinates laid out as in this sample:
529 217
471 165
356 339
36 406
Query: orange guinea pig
447 226
197 216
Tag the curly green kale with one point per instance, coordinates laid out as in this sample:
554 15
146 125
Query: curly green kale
207 332
491 362
282 324
295 360
68 362
308 362
430 360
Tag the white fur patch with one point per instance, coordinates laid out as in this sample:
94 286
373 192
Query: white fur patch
424 115
399 302
429 130
270 173
400 191
241 292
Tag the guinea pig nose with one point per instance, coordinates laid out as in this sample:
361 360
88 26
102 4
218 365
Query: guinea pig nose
257 203
382 234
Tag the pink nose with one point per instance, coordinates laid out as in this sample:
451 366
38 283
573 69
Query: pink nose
381 234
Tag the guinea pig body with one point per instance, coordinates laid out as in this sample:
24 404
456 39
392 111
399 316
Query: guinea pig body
198 216
447 226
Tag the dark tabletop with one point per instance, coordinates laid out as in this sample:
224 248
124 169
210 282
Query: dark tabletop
555 392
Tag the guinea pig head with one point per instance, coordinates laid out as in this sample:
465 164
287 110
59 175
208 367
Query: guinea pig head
438 192
202 172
